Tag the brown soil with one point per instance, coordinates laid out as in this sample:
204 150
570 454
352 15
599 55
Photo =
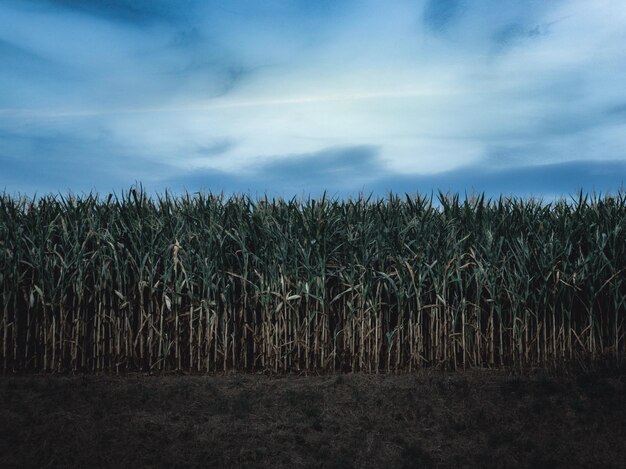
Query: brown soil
463 419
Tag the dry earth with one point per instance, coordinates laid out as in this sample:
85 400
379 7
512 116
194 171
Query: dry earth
434 419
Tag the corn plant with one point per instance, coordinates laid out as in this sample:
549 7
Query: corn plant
209 283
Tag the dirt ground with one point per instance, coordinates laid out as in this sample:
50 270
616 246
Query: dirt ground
430 419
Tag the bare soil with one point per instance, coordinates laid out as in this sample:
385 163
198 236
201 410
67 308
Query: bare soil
434 419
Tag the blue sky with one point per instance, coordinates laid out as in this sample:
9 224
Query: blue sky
523 97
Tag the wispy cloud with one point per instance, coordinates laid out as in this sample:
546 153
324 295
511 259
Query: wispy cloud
292 95
135 12
440 14
550 181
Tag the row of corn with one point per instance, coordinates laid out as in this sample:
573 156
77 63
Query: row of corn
209 283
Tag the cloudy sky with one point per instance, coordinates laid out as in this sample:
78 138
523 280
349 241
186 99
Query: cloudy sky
297 97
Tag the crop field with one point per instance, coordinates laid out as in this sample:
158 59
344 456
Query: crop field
207 283
213 331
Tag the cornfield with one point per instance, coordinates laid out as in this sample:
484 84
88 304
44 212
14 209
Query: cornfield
209 283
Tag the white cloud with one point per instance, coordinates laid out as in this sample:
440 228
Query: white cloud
283 83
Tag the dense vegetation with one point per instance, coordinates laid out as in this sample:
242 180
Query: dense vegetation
208 282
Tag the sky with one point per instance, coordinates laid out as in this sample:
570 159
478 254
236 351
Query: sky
514 97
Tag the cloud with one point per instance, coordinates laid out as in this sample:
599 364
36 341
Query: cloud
301 95
549 181
107 63
136 12
43 159
514 33
331 167
16 56
617 112
213 181
216 147
438 14
335 168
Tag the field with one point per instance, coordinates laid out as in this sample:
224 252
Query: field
427 419
213 331
208 283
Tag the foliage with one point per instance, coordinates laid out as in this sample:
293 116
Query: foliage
209 282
